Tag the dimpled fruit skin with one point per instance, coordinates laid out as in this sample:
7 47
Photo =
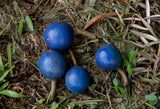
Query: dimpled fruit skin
52 64
58 35
108 57
77 79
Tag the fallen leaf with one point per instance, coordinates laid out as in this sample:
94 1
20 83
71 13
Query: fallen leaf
98 17
138 27
147 36
148 11
124 2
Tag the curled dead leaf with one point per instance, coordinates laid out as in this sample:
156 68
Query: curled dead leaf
98 17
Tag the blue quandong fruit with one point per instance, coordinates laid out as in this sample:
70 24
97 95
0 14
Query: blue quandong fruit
59 35
108 57
77 79
52 64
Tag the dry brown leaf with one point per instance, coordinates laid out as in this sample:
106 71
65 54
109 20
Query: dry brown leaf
138 27
124 2
98 17
147 36
147 56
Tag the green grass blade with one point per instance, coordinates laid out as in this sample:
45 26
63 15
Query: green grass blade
5 73
11 94
9 53
29 23
1 64
20 27
4 85
16 8
5 28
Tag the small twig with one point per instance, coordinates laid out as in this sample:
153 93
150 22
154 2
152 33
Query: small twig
156 65
158 51
137 19
109 100
73 57
85 33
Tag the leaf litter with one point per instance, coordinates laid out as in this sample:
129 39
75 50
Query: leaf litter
108 28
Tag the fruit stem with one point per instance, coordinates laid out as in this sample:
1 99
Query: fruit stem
53 89
73 57
125 80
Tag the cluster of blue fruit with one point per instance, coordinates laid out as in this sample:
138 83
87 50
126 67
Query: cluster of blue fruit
52 64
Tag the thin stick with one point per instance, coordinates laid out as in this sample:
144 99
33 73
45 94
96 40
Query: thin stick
148 11
73 57
125 80
85 33
53 89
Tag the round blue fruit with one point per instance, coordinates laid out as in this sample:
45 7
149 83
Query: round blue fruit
52 64
108 57
77 79
59 35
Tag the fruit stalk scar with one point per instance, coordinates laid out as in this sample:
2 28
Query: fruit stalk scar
53 89
125 80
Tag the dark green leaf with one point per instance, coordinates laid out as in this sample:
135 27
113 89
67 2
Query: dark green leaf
132 55
125 62
151 97
20 27
29 23
4 74
129 69
122 91
11 94
4 85
115 82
